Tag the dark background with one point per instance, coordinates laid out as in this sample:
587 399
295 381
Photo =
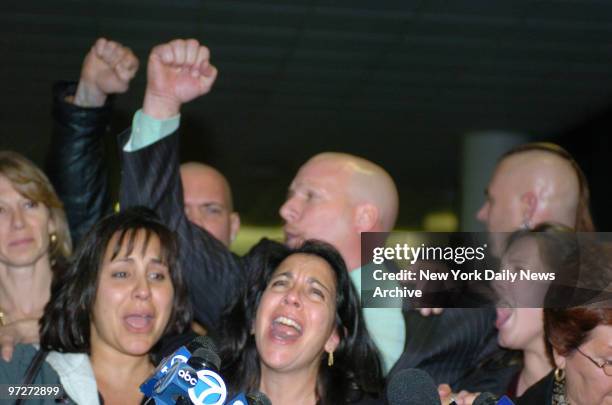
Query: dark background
398 82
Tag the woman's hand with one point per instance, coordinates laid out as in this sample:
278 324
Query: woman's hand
461 398
21 331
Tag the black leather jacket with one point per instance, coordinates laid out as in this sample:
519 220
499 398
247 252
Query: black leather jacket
75 164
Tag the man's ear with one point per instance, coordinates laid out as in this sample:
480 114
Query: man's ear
366 217
234 226
529 206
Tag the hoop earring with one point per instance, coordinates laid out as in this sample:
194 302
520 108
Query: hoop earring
330 359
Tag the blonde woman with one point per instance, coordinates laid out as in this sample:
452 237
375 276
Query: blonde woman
34 243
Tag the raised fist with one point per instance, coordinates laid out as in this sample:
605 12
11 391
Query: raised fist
178 72
107 69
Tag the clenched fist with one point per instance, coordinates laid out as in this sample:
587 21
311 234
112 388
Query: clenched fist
178 72
107 69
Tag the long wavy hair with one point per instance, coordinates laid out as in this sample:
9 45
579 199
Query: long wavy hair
356 371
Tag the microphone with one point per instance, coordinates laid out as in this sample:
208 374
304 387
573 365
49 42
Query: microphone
486 398
412 386
210 387
182 354
195 382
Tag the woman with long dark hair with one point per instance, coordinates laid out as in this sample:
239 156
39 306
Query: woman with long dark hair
107 311
298 334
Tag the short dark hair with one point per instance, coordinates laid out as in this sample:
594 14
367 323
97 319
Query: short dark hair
584 220
356 370
65 325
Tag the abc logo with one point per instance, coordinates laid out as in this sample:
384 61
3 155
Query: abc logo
209 389
185 375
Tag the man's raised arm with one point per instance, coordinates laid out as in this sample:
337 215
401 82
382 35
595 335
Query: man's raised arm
178 72
81 114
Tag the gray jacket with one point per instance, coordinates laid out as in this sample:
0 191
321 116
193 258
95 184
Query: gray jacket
72 371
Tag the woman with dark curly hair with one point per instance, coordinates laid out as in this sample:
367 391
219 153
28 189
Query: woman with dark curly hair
123 291
298 334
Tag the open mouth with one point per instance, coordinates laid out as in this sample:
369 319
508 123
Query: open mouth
285 329
139 323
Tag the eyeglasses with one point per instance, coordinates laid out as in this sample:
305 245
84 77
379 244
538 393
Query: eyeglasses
606 366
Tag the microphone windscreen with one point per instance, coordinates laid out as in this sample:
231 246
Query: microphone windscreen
204 342
412 386
486 398
207 357
258 398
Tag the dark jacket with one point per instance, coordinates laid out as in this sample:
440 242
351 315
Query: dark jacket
77 169
213 274
538 394
458 347
76 164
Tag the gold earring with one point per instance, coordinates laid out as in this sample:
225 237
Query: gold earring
330 359
559 374
53 238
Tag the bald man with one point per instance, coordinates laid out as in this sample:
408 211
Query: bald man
334 197
207 197
535 183
352 193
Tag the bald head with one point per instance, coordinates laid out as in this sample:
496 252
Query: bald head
208 201
335 197
530 187
368 183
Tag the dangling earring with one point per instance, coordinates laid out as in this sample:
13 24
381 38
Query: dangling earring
558 394
559 374
53 238
330 359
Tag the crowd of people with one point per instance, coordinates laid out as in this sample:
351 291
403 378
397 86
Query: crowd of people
287 317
